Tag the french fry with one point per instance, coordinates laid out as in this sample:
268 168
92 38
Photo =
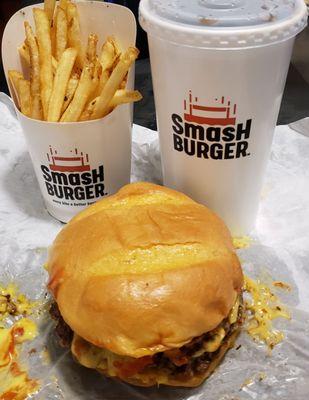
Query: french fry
92 48
88 111
45 53
49 7
62 77
15 76
125 96
71 88
124 82
120 97
24 54
53 33
61 32
24 96
74 35
103 79
54 64
36 105
108 54
63 4
107 59
113 83
84 88
117 47
68 82
97 72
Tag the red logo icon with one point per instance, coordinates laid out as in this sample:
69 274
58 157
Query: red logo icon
76 163
222 115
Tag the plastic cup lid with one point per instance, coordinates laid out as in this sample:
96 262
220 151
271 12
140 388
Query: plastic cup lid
223 23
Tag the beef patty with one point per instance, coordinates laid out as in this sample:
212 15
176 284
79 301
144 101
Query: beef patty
183 363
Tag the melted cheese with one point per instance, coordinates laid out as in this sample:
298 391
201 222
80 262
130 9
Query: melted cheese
14 382
12 302
263 308
242 242
233 316
91 356
214 343
95 357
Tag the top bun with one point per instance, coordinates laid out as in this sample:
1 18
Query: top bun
144 271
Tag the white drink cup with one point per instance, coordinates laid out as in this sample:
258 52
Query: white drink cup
77 163
219 70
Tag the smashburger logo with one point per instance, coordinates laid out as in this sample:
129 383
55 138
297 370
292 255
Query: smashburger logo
211 132
71 178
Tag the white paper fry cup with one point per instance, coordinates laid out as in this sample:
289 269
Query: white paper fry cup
219 70
78 163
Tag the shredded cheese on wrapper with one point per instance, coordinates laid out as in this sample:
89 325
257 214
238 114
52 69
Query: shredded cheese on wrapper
242 242
263 307
13 303
15 384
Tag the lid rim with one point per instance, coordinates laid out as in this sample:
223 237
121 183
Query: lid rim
237 37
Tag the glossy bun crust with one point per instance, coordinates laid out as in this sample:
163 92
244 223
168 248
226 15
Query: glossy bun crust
144 271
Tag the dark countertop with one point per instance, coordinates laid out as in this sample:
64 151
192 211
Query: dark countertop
295 102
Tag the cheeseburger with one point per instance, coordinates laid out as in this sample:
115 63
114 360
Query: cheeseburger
147 287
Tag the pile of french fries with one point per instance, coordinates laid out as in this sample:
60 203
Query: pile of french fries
68 82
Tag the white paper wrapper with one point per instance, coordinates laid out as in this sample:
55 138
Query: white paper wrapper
280 252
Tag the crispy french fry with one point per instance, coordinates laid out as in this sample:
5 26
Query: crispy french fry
44 42
62 77
54 64
108 54
36 105
49 7
24 54
63 4
88 111
84 88
24 96
74 35
15 76
124 82
125 96
117 76
97 72
71 88
116 45
120 97
92 48
61 32
68 82
53 33
103 79
108 58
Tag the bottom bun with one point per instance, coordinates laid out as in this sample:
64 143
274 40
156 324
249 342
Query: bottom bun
187 366
147 380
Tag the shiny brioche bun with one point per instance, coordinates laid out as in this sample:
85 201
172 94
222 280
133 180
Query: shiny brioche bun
144 271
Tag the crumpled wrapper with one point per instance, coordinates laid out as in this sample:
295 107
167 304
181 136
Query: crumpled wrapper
279 251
